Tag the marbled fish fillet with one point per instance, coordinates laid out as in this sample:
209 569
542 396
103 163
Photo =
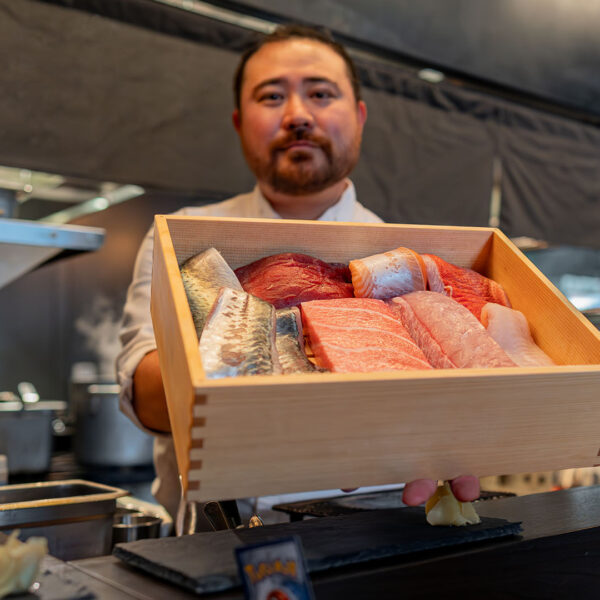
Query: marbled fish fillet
239 336
388 274
448 334
203 275
359 335
510 329
290 343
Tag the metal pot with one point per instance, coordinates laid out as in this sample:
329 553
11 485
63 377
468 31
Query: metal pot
104 436
26 430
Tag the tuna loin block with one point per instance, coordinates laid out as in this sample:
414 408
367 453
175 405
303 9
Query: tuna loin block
359 335
289 279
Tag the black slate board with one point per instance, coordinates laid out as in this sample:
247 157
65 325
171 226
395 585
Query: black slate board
346 504
205 562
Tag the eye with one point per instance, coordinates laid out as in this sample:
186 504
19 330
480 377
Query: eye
322 95
270 97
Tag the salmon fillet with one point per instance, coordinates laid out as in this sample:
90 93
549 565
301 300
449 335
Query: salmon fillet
359 335
447 333
388 274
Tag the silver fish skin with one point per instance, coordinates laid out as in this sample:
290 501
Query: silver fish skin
290 343
203 276
239 337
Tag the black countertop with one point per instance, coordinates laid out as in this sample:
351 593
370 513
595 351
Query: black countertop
558 556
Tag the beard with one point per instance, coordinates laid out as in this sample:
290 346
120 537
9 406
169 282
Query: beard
300 171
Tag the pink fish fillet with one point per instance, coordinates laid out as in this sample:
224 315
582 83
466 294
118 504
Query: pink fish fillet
359 335
510 329
447 332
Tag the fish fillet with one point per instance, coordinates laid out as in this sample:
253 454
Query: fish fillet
466 286
291 278
239 336
510 329
359 335
203 275
389 274
290 342
447 333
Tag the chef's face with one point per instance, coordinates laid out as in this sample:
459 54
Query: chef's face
299 122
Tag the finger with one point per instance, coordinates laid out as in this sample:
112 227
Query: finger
418 491
465 488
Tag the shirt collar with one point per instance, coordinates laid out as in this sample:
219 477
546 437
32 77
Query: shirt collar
342 210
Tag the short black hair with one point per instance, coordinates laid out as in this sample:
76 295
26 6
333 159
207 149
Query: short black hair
287 32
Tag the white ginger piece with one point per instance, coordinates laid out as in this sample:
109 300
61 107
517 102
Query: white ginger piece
20 562
444 509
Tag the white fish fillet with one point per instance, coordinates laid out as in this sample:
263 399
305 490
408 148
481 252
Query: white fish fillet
510 329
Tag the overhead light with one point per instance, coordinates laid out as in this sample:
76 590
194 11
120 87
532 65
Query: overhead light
12 178
110 197
99 203
431 75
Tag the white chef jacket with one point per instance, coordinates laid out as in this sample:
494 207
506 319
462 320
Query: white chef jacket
137 334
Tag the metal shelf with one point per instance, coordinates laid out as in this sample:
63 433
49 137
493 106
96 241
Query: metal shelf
25 245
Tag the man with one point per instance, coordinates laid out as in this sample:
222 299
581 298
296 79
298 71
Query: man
300 120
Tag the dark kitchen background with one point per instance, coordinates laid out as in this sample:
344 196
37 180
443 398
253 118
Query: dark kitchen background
479 113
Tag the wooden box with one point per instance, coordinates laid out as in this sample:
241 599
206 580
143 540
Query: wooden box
261 435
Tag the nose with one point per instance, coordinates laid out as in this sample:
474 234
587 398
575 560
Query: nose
297 115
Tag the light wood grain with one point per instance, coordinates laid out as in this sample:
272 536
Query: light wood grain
556 325
241 241
176 341
269 435
298 437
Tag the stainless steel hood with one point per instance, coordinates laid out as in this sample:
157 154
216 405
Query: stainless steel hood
44 233
24 245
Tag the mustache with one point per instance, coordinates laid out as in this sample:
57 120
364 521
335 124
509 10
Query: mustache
297 136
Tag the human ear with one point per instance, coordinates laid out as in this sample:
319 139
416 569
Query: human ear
362 112
235 117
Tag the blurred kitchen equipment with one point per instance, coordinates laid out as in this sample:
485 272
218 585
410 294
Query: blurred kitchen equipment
3 469
132 527
25 245
28 393
223 514
593 314
104 436
26 429
134 505
194 517
75 516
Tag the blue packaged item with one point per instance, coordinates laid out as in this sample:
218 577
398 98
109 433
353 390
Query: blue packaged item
274 570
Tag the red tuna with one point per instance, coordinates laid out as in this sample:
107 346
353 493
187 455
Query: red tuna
289 279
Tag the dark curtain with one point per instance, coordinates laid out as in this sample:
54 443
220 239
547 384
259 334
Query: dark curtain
101 98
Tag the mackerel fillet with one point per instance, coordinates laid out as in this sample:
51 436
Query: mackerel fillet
239 336
203 275
290 343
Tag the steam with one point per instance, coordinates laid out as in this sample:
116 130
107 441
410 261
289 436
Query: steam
99 326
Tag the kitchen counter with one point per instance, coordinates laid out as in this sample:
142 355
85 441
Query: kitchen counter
557 556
